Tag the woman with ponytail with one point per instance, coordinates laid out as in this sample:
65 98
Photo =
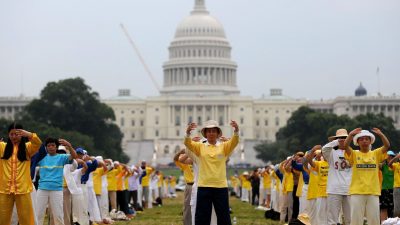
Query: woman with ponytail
15 179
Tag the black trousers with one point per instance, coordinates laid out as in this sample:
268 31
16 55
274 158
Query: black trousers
122 201
255 192
296 203
208 196
133 197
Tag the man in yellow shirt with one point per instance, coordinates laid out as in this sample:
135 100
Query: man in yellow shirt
365 185
188 175
286 197
146 182
213 185
320 168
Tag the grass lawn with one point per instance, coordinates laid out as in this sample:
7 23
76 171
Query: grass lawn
170 214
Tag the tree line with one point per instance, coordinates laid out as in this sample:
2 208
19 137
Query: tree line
307 127
71 110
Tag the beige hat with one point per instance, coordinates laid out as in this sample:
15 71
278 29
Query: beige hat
245 173
211 124
339 133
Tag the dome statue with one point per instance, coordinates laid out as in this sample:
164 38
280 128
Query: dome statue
361 91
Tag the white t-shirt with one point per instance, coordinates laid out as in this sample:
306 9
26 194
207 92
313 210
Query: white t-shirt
339 175
133 181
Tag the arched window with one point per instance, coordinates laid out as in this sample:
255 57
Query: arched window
166 149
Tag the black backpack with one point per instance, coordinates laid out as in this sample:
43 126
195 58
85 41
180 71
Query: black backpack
271 214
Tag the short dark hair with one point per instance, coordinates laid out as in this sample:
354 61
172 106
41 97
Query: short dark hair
52 140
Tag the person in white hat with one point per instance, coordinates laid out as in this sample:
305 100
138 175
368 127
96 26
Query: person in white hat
339 175
365 186
212 182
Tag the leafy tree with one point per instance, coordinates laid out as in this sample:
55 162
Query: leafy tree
307 127
69 105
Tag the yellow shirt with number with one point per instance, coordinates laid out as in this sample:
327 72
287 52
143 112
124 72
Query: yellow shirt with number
365 166
15 176
322 168
212 161
187 171
396 170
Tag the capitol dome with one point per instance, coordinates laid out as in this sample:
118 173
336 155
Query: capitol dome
361 91
200 24
199 58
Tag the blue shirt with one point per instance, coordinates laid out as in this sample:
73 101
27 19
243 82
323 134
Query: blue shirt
51 172
92 166
299 167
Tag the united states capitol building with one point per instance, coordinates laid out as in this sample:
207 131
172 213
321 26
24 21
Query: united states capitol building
200 84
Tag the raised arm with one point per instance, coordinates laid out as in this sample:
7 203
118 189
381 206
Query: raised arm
34 141
385 141
310 156
191 145
394 160
68 145
349 139
327 149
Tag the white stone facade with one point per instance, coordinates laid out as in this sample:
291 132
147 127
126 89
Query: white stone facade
199 85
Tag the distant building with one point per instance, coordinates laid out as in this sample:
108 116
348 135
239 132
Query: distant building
199 85
361 103
11 106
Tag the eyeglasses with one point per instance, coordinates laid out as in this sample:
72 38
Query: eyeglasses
342 138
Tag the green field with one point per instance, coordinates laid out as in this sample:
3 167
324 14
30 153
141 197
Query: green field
171 214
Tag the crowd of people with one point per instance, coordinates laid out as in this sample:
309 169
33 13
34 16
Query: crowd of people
69 184
330 184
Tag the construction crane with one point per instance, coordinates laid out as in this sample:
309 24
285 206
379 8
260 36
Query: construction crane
140 57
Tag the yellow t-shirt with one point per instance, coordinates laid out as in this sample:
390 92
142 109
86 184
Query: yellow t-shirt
15 176
97 182
187 171
365 177
234 181
267 180
212 161
160 180
396 171
173 182
312 185
299 191
145 179
287 182
246 184
112 178
322 168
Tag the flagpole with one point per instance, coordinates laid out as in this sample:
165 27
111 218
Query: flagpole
379 80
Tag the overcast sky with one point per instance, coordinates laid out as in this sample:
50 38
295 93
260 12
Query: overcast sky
310 48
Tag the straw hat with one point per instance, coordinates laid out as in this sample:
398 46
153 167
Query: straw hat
339 133
363 133
304 219
245 173
211 124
